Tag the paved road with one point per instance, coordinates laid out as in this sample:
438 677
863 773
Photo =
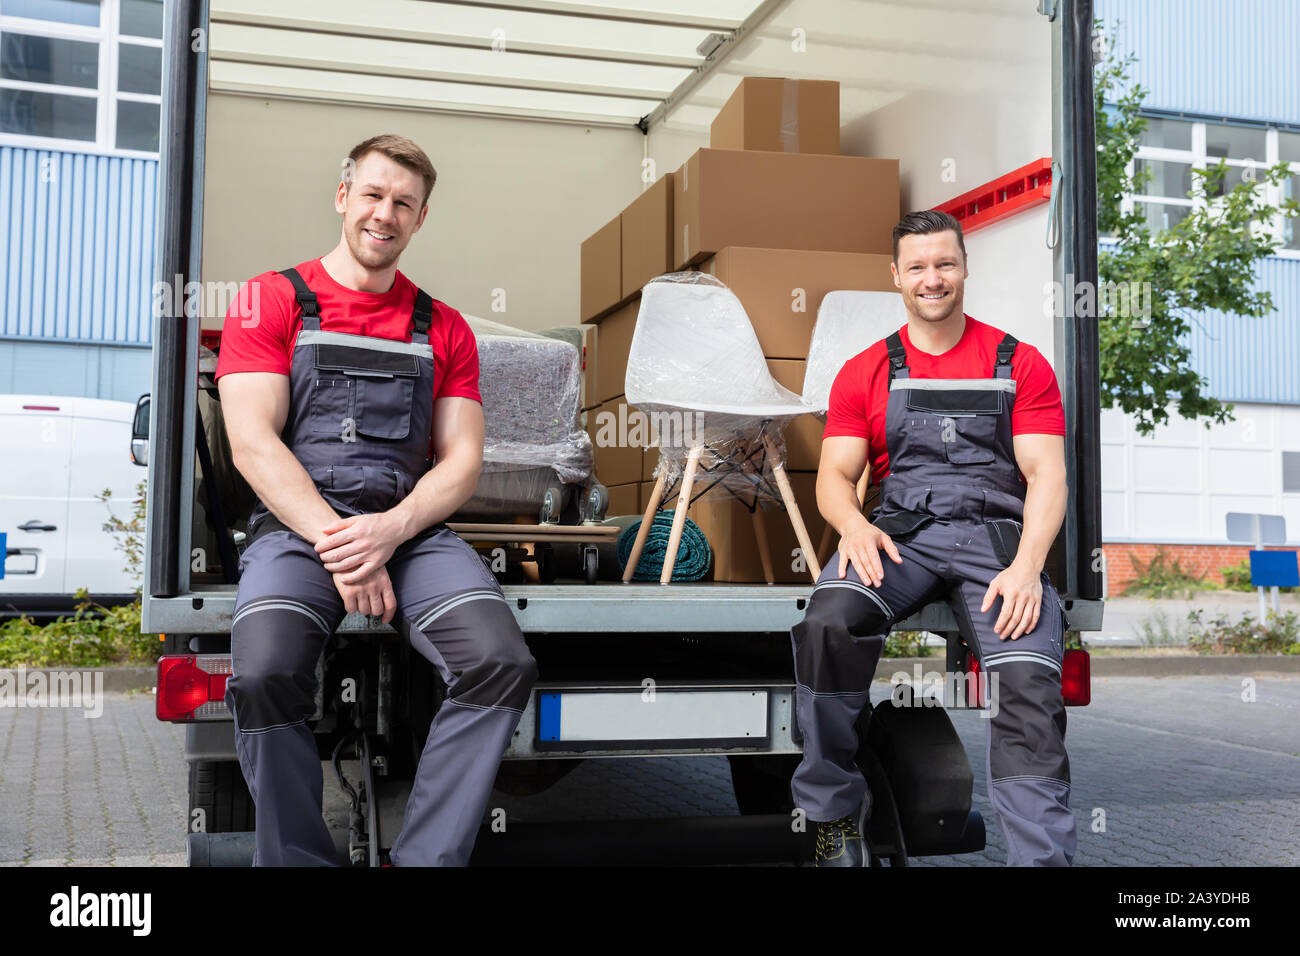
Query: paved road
1168 771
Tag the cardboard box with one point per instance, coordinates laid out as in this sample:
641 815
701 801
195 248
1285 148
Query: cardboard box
590 387
781 289
615 331
648 236
729 527
624 499
649 461
728 197
616 463
803 436
601 271
781 115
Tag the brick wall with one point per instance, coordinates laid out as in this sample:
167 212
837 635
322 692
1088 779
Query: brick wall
1195 559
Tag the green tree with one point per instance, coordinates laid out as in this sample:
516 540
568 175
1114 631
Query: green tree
1205 261
129 535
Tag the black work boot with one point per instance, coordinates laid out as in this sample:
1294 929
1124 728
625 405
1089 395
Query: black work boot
842 842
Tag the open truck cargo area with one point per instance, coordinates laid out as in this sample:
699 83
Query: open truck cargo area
538 145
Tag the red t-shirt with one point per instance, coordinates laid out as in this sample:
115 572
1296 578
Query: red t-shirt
263 324
861 389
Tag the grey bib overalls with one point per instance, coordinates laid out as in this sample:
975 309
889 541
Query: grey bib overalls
953 504
360 417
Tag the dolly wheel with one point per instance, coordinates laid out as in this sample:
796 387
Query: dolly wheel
590 564
552 505
597 502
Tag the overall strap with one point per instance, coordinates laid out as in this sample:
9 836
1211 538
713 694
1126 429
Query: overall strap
306 300
1006 349
421 317
897 356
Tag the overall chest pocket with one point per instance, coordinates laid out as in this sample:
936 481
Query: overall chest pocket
331 402
968 420
381 386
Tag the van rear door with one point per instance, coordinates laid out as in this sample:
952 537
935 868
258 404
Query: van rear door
34 486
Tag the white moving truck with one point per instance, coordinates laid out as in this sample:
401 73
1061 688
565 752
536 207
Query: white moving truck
541 118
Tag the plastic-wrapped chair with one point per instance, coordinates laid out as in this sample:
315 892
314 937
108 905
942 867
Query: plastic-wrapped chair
696 368
848 323
535 454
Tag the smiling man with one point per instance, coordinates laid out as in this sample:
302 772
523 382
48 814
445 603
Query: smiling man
336 389
962 426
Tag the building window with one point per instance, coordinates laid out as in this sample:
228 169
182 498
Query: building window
1291 472
1170 148
81 74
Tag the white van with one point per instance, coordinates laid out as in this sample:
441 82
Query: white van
60 454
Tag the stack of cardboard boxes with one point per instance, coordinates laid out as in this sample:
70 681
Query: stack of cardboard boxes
772 210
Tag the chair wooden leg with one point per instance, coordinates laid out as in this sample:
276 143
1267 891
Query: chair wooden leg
792 508
643 532
679 516
764 553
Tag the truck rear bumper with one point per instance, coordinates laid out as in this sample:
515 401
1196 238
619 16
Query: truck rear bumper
612 608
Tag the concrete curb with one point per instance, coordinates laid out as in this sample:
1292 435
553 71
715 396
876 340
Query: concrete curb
117 680
1183 665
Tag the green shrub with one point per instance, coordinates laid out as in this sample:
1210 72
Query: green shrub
128 536
1276 634
94 636
1161 577
906 644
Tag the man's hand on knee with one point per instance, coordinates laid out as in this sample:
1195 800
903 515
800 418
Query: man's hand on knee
862 546
1022 599
372 595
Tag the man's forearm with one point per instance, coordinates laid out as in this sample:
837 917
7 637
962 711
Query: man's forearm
837 500
437 495
284 486
1044 512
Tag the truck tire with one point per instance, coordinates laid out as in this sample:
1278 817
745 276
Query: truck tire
761 782
217 788
527 778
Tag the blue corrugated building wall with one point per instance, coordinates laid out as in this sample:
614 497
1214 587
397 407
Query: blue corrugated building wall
1215 58
76 269
1227 60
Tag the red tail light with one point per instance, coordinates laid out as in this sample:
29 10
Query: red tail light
980 697
193 687
1076 678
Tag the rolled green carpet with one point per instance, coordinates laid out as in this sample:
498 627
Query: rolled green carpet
693 553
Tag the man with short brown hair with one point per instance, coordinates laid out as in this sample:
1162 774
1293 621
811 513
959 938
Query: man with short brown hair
335 393
963 427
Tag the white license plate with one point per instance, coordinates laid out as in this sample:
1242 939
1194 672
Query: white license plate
599 719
